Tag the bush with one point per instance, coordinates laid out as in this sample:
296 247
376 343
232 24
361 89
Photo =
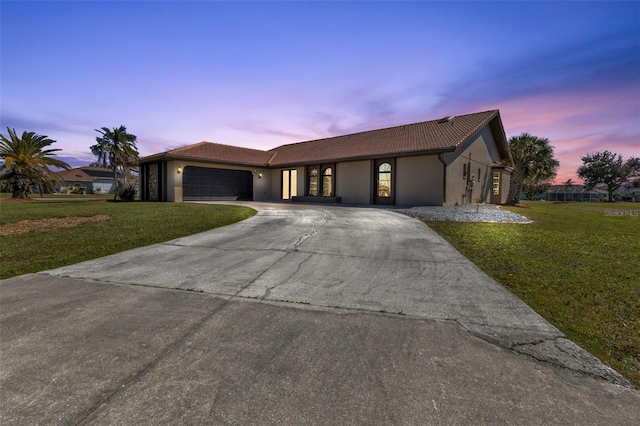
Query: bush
5 186
127 193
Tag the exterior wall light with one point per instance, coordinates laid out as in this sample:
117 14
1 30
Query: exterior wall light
179 169
260 175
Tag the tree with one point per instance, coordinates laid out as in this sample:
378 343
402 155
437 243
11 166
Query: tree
533 164
532 190
567 185
26 162
116 149
609 169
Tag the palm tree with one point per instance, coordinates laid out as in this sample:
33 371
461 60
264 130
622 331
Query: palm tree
533 162
567 185
116 149
27 160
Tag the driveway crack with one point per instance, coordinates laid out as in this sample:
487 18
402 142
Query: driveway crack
314 229
267 292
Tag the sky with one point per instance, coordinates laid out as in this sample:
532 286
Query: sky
264 74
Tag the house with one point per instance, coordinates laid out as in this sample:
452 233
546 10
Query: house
88 178
572 193
631 194
454 160
103 178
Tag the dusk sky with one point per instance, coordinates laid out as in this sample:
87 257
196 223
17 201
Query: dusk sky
263 74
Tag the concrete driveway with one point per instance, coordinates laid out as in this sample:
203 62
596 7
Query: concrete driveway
300 314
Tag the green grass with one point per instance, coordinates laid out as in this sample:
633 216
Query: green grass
132 225
66 197
577 265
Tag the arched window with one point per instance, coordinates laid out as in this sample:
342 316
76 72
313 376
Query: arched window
313 182
384 180
327 182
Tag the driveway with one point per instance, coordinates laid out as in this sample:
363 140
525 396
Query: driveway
358 258
301 314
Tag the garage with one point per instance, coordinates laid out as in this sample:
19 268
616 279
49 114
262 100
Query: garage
205 184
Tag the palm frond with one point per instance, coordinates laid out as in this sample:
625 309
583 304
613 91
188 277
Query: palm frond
27 160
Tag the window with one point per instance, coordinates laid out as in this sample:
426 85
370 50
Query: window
384 180
313 182
327 183
496 183
464 171
321 180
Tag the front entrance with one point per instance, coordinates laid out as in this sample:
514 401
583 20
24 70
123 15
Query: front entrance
383 182
289 184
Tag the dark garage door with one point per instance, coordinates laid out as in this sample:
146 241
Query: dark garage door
201 183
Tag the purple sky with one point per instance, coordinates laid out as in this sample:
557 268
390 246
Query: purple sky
262 74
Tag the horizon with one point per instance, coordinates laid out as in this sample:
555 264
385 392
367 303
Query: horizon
264 74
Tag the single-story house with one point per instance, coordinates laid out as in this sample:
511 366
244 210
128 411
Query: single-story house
572 193
631 194
449 161
90 178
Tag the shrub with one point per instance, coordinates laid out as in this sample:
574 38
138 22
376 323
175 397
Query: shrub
127 192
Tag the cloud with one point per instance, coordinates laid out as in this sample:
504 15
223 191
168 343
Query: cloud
362 108
75 161
29 124
256 127
601 63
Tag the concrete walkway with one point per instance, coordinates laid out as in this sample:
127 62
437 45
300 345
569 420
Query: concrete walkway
307 315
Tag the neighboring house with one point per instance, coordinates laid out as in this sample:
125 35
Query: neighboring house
103 178
572 193
91 179
455 160
631 194
74 178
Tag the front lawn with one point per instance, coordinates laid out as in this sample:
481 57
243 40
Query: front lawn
577 265
131 225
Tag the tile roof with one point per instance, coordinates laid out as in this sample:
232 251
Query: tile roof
218 152
434 135
98 172
75 175
425 137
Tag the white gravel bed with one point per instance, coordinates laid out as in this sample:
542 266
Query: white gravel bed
466 213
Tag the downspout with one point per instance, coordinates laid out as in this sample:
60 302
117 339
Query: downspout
444 178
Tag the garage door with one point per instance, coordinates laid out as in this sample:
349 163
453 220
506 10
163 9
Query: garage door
202 183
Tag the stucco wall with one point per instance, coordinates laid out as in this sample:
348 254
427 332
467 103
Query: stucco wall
478 156
261 186
174 181
419 181
354 182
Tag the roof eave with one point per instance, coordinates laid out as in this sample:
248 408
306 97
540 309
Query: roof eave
497 128
166 157
366 157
